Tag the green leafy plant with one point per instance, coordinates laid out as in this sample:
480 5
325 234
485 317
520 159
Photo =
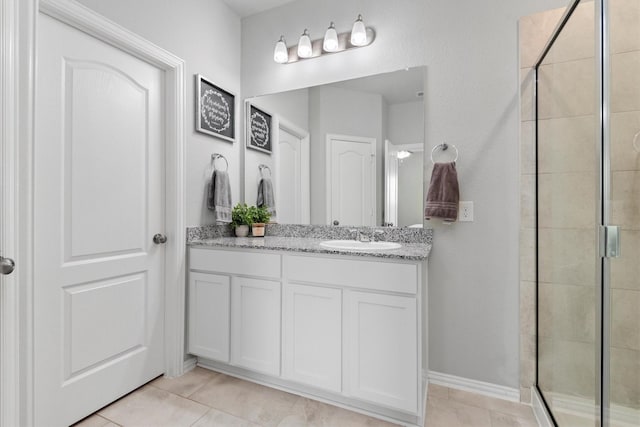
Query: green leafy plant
259 214
241 215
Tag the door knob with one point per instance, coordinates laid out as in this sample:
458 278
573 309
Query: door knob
6 265
159 239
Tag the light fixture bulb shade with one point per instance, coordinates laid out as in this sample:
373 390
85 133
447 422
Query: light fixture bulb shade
359 33
304 45
330 43
403 154
281 53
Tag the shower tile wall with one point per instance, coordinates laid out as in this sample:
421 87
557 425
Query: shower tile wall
625 185
534 31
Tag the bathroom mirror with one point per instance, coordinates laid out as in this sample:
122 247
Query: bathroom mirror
348 153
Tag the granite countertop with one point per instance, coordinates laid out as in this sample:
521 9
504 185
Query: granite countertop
408 251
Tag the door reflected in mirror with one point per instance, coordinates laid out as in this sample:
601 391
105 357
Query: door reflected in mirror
348 153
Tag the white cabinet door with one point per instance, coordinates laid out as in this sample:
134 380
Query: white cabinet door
382 349
255 323
312 336
209 322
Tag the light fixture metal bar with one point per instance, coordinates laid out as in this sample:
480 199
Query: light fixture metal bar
344 44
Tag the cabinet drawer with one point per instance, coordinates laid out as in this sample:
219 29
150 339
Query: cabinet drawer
371 275
235 262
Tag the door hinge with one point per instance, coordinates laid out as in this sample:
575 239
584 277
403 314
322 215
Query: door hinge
609 241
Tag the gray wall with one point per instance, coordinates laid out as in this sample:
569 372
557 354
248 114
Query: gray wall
206 34
406 123
343 112
292 106
406 126
410 172
471 55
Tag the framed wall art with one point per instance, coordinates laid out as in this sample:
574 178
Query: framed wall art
259 129
215 110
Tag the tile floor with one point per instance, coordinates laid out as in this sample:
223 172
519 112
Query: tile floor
202 398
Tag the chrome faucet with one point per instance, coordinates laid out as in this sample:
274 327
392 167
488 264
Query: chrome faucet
361 236
376 234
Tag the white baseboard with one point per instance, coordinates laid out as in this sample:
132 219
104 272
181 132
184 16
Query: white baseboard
474 386
189 364
540 411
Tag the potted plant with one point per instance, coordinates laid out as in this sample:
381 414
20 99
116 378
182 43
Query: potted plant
260 216
241 219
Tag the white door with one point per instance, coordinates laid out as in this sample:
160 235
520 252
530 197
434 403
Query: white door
255 323
292 180
209 315
313 336
289 200
351 180
390 184
381 332
99 185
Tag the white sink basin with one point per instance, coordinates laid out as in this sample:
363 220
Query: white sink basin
355 245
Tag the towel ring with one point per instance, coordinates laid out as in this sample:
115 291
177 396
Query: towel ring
444 146
216 156
635 142
262 168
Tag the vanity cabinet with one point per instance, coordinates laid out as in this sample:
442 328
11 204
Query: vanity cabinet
313 336
255 324
382 349
209 311
344 328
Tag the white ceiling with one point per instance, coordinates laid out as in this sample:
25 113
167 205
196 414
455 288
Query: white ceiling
396 88
245 8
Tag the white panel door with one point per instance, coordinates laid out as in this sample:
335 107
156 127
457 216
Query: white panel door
313 336
255 324
289 178
99 185
209 311
382 349
352 182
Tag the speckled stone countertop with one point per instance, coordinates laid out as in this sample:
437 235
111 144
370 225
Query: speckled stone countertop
408 251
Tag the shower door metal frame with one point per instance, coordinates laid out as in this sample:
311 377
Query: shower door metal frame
603 203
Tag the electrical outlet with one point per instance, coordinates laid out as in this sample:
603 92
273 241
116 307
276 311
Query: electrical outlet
465 212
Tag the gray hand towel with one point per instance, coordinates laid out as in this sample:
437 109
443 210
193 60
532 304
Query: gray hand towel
266 198
219 197
443 195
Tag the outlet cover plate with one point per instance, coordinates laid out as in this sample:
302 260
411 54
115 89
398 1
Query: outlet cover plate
465 212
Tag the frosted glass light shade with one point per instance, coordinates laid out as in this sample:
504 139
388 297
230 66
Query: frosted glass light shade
403 154
359 33
281 53
330 43
304 45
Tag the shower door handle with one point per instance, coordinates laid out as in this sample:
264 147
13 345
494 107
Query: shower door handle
7 265
610 236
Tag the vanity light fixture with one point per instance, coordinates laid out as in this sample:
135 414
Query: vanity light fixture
401 155
332 42
304 45
281 52
359 33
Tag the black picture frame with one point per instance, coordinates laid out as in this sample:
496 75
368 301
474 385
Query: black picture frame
259 129
215 110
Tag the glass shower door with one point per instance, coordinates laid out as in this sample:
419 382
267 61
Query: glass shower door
568 219
621 328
